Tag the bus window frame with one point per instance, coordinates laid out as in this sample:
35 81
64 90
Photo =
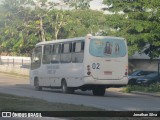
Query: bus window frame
55 53
65 53
79 52
35 64
50 54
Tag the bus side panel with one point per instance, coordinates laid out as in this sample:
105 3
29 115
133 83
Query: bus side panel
34 74
71 72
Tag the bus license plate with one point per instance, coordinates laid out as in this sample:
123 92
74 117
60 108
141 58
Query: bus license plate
107 72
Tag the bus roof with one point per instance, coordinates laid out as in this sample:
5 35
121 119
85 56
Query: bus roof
76 39
61 40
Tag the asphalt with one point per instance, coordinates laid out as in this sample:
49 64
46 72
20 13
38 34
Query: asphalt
119 90
156 94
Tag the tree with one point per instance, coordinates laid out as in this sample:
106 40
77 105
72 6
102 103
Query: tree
88 21
139 24
26 22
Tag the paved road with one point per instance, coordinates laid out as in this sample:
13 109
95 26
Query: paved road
111 101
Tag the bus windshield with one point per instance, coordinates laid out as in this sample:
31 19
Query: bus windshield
107 47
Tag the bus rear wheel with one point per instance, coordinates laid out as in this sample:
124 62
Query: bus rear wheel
36 84
66 89
99 91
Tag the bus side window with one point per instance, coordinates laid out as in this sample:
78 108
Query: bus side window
56 53
47 54
66 52
78 52
36 58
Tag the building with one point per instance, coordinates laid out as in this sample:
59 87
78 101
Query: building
143 62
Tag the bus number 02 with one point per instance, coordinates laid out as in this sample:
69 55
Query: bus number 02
96 66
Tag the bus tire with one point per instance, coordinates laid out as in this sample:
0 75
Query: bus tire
66 89
99 91
36 85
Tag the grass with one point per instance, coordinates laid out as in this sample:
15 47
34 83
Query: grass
151 88
15 103
16 74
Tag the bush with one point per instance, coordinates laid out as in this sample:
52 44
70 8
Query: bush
151 88
154 87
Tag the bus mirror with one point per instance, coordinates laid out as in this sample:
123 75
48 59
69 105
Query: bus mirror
89 36
36 59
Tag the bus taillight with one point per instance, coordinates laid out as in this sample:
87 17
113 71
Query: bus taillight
88 70
126 71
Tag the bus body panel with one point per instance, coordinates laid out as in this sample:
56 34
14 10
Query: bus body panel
51 75
92 81
103 70
110 69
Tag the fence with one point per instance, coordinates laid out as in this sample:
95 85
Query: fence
22 62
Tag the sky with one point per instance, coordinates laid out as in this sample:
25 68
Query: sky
94 4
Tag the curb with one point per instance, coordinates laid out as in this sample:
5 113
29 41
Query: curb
144 93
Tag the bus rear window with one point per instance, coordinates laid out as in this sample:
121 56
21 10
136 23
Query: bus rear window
107 47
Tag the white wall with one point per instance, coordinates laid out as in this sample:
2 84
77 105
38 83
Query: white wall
17 68
139 64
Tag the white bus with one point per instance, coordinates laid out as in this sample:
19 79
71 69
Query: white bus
87 63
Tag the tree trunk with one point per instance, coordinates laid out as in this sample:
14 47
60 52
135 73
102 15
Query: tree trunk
42 30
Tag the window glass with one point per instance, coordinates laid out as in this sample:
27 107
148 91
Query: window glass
66 48
66 53
56 49
78 52
78 46
116 48
56 53
47 54
36 58
108 47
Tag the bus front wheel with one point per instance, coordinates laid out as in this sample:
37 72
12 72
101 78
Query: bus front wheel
66 89
99 91
36 84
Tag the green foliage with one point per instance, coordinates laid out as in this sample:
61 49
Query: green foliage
155 87
139 24
25 23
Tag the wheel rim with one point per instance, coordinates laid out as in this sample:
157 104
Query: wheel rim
64 87
37 87
36 84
